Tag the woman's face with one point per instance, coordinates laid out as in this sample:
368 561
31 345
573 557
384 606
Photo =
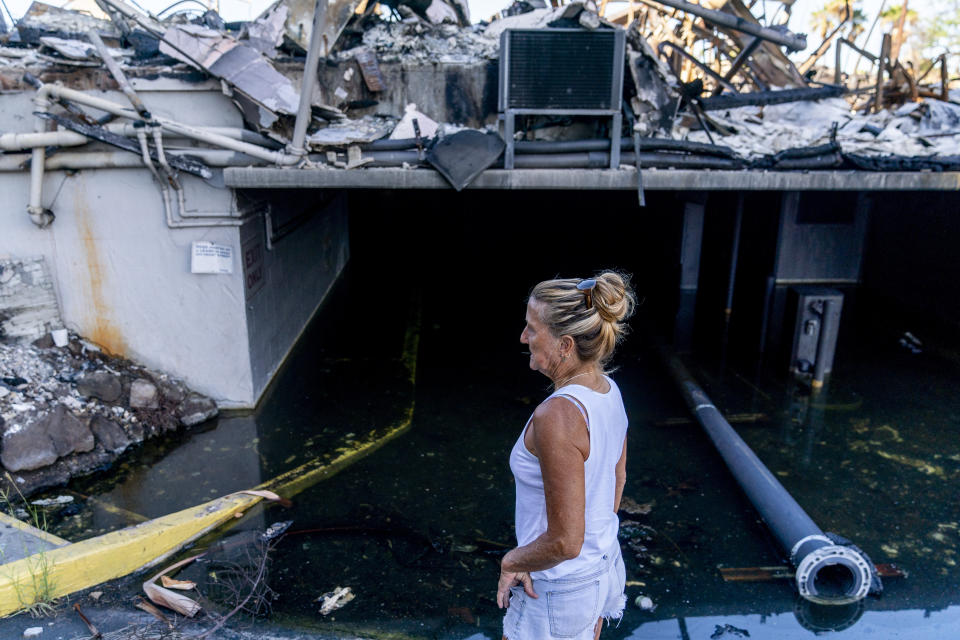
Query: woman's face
544 347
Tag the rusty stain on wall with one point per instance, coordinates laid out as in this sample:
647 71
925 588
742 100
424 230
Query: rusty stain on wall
99 325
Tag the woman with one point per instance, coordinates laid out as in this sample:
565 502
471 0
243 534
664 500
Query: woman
569 465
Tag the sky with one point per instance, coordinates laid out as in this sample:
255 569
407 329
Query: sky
480 9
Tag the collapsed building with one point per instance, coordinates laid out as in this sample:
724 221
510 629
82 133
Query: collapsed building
197 133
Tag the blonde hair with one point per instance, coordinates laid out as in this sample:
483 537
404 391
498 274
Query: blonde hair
596 330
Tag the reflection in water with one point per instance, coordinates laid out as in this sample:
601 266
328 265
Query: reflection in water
907 624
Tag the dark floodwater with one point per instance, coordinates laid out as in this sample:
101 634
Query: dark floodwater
415 528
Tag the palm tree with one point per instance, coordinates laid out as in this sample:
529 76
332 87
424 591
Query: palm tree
898 17
835 12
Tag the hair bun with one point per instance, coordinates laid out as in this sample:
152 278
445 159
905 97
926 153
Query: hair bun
613 297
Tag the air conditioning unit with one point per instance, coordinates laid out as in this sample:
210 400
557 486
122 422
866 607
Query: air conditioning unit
562 72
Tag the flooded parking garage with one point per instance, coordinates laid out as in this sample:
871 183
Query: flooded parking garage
415 528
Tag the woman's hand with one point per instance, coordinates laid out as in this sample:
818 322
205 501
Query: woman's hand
509 579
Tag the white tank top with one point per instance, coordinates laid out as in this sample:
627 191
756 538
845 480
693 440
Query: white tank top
607 424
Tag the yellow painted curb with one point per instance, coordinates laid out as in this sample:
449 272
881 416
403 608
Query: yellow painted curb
74 567
65 570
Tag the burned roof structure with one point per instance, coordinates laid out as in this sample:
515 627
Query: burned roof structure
356 84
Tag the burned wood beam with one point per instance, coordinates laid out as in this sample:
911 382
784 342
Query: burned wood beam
836 66
125 143
724 82
792 41
769 97
742 57
882 63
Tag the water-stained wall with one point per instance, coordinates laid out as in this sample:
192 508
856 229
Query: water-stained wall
123 278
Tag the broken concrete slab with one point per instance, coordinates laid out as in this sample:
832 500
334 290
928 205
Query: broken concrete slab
100 384
265 33
27 446
46 20
28 302
143 395
195 409
79 49
350 131
425 127
67 433
109 434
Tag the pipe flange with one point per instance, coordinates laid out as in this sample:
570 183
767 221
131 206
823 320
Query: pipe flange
805 540
815 561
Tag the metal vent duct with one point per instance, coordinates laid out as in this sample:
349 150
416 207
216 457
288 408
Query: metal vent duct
561 72
562 69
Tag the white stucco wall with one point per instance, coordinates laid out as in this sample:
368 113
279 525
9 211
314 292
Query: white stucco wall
122 276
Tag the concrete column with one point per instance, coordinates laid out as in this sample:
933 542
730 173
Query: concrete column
690 244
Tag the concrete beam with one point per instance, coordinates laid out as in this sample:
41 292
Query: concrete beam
622 179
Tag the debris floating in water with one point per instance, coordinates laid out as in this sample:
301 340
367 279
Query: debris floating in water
333 600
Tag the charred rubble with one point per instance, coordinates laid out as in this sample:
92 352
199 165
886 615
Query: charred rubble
704 86
68 407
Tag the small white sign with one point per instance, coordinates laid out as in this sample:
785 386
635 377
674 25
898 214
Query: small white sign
207 257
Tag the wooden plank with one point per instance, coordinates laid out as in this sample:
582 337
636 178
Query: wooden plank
767 574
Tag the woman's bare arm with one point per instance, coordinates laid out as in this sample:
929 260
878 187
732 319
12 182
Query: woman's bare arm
621 477
561 444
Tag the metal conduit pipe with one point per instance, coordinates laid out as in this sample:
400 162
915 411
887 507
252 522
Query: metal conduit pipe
792 41
601 160
646 144
587 160
826 573
304 112
119 76
574 146
386 144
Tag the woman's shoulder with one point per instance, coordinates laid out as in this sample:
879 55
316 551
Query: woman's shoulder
557 410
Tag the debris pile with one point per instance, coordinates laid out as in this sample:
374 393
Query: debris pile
66 411
413 42
704 86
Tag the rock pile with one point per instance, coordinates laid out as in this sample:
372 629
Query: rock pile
65 412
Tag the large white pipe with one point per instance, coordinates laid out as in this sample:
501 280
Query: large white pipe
77 160
40 216
43 217
13 141
196 133
20 141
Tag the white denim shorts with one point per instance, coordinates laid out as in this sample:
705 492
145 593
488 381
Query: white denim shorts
568 607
